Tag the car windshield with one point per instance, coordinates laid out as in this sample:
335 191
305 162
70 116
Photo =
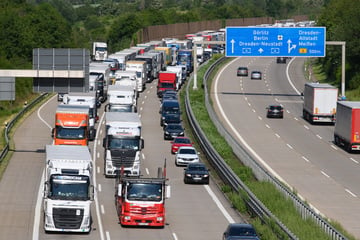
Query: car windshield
187 151
242 231
275 107
174 127
182 140
196 168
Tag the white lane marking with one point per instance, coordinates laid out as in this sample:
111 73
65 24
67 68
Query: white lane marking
254 110
98 169
287 111
147 171
99 187
266 125
323 173
38 210
249 104
318 136
98 155
295 118
143 156
102 209
219 204
100 131
107 235
307 160
142 102
99 142
355 161
277 135
100 226
260 118
306 127
174 236
288 76
348 191
289 146
334 147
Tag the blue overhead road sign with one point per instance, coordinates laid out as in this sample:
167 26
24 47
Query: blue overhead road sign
275 41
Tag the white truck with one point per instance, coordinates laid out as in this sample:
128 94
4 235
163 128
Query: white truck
87 99
179 74
123 144
100 51
127 78
121 99
141 73
103 70
68 190
320 102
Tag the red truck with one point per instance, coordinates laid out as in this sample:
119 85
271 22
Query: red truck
141 201
347 126
167 81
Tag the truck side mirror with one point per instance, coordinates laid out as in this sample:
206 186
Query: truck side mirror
46 189
52 132
104 142
119 190
91 189
168 191
142 143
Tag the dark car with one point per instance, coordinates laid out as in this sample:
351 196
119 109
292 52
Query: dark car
169 106
242 72
237 231
281 60
173 130
168 118
275 111
196 173
256 75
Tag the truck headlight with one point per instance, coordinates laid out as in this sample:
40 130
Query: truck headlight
159 219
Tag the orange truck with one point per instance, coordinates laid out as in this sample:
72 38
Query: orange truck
167 81
71 125
141 201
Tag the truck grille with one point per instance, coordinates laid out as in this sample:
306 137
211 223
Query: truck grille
68 218
123 158
143 210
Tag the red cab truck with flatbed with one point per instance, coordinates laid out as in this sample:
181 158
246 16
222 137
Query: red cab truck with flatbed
347 126
141 201
167 81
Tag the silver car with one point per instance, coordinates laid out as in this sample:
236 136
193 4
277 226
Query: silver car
186 155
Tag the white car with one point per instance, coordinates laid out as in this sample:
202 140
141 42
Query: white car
186 155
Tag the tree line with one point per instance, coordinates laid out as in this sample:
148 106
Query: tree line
28 24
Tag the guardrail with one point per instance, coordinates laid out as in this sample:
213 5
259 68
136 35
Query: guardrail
10 124
229 177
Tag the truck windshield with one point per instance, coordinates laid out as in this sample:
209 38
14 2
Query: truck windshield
70 133
144 192
121 108
120 143
69 189
166 85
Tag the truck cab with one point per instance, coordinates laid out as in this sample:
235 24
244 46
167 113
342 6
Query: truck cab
69 191
123 143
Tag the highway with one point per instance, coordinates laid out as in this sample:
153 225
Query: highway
300 154
192 210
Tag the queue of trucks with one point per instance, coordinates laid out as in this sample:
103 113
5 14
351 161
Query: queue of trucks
116 80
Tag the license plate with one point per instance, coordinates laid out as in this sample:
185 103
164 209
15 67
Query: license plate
143 224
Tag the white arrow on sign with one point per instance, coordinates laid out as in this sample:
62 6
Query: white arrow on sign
261 50
232 45
292 47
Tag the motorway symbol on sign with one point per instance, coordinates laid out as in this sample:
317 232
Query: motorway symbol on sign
275 41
